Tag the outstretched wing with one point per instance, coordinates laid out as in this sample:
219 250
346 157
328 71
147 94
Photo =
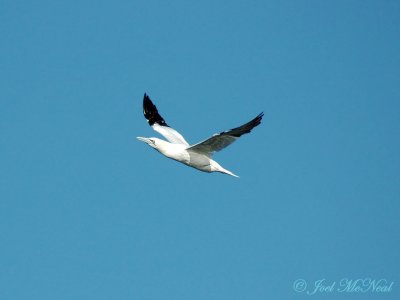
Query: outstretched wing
158 123
221 140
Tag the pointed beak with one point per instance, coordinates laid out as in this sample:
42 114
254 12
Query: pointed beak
148 141
143 139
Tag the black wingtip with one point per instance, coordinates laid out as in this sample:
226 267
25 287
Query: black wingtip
258 118
256 121
246 128
260 115
151 113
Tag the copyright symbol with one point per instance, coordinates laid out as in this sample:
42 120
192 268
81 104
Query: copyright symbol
299 285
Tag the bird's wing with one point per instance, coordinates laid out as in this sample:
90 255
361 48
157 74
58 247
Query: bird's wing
158 123
221 140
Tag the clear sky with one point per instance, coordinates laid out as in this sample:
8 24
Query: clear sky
89 212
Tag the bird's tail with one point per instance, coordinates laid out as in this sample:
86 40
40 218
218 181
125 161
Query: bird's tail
229 173
215 167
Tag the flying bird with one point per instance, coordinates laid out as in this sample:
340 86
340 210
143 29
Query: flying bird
198 156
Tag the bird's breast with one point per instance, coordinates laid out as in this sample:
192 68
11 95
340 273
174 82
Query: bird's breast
177 152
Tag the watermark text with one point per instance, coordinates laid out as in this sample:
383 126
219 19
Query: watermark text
343 285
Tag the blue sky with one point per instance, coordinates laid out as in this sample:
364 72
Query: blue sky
89 212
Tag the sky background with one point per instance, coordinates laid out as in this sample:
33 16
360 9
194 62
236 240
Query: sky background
89 212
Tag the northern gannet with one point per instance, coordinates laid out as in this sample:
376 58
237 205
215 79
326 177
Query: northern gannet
198 156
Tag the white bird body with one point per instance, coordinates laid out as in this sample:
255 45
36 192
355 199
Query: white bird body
198 156
181 153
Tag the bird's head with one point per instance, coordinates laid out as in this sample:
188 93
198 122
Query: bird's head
152 142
